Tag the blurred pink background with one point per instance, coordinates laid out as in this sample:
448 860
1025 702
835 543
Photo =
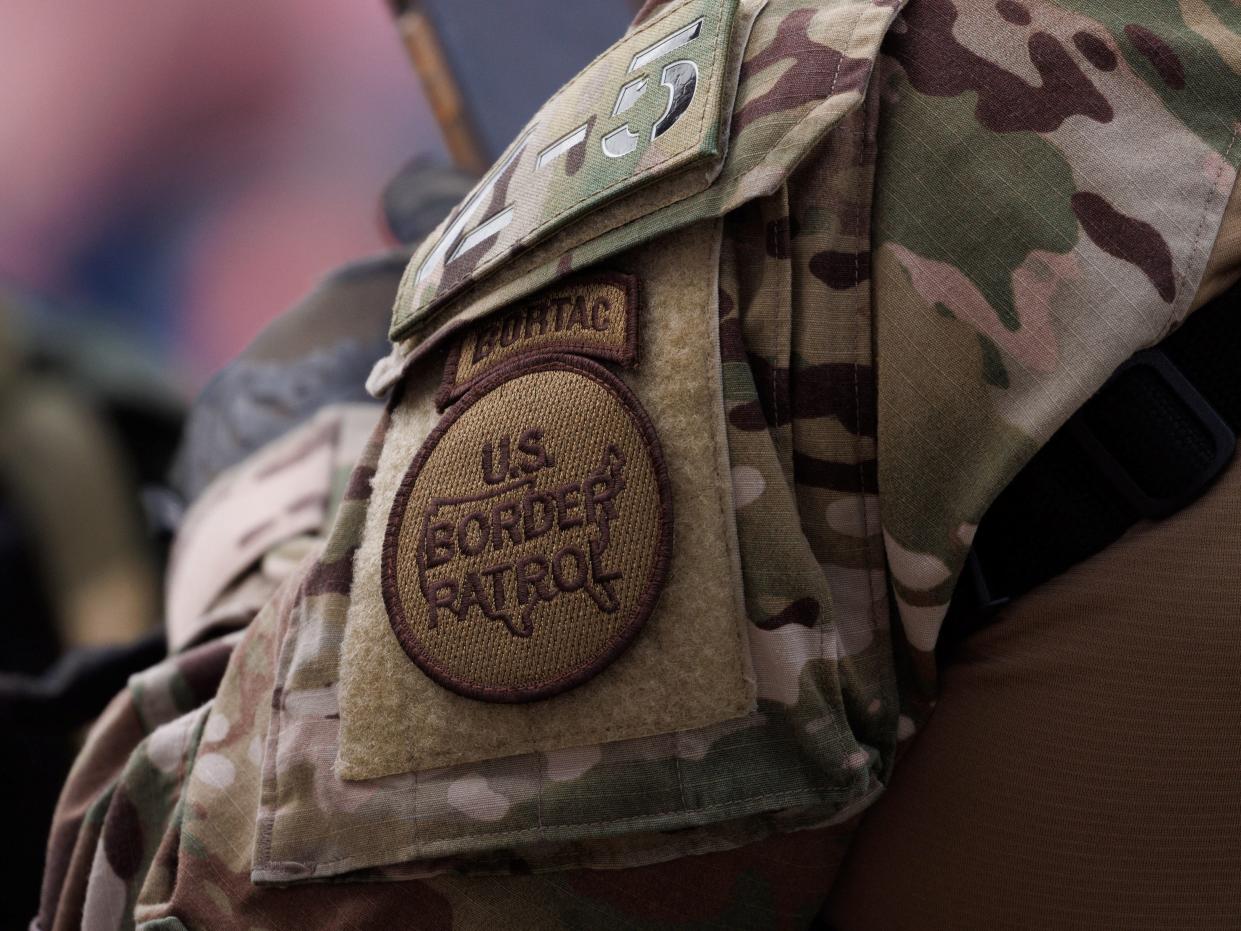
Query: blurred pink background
187 171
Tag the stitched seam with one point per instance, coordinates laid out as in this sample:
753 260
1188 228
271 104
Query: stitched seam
541 759
713 361
862 323
812 795
284 661
676 768
1200 233
267 827
775 399
625 732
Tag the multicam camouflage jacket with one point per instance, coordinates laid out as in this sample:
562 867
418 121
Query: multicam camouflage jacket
693 406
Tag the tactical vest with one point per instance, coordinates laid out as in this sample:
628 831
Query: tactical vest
682 458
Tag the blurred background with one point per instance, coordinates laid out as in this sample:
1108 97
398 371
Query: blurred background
180 185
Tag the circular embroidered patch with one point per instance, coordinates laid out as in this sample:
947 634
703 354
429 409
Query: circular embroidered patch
530 537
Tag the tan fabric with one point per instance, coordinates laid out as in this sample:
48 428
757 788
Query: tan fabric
688 667
529 540
1081 768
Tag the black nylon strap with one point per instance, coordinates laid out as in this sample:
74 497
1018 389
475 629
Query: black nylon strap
1150 442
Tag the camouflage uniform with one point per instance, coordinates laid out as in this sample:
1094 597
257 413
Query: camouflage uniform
920 240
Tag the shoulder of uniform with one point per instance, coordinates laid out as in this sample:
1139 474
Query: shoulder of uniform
701 106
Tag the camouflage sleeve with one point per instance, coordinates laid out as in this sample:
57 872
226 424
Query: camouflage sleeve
225 594
132 820
154 699
170 847
75 827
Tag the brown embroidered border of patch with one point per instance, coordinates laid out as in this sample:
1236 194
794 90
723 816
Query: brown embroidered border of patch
570 316
574 638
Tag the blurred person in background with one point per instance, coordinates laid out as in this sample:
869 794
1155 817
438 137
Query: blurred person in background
151 159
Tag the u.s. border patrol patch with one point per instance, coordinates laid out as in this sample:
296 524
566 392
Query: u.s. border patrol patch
530 537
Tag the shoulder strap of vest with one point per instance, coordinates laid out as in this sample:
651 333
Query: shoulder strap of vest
1149 443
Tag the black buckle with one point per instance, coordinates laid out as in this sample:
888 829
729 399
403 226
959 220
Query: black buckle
974 604
1225 440
985 602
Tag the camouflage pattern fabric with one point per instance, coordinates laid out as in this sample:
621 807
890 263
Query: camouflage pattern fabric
156 698
929 257
1082 178
253 514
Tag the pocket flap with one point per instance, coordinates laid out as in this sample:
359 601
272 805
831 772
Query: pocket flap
651 107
